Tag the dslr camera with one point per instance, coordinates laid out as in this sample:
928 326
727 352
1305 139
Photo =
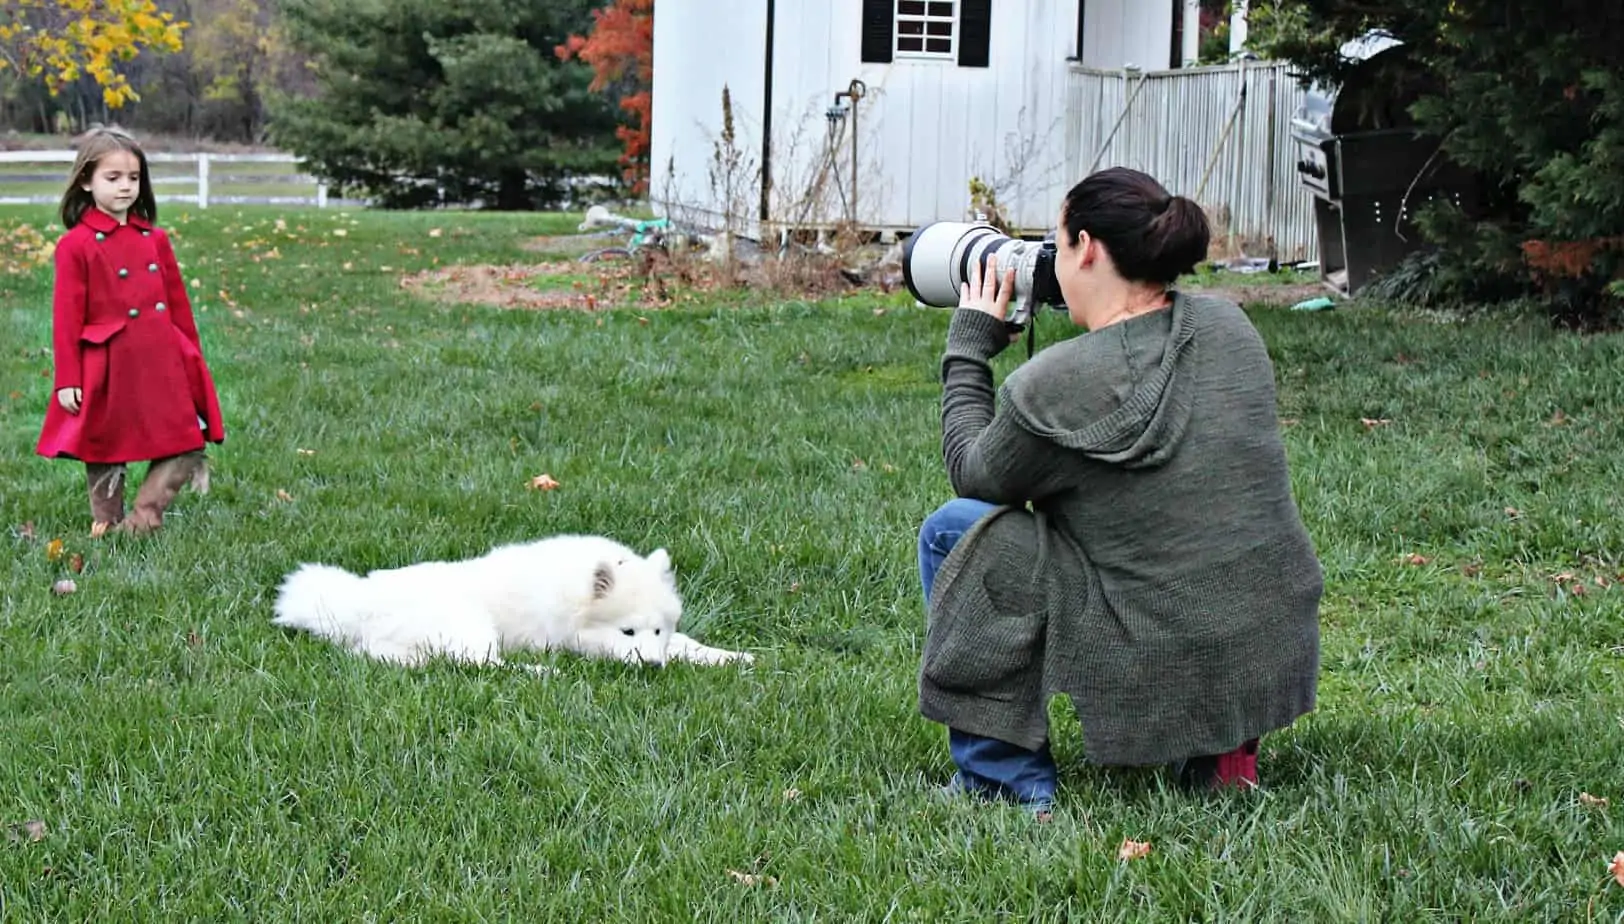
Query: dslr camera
938 257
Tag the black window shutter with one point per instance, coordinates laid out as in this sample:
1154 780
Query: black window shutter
879 18
975 32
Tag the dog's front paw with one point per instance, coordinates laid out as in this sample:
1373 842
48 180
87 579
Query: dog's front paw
716 657
684 648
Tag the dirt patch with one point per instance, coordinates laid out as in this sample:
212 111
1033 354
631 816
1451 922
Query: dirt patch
512 286
652 279
542 286
1272 294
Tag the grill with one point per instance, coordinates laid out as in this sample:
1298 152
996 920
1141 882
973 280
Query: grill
1367 165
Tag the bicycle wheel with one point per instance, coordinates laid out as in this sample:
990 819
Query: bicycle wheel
607 253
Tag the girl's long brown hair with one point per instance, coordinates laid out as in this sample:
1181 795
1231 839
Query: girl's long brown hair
93 146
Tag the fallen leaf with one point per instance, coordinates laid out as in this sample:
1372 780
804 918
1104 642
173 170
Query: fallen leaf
1589 801
282 495
53 549
340 232
434 232
1133 850
76 563
1373 422
27 532
543 482
32 831
751 879
791 794
1578 590
99 529
1559 418
879 312
1416 559
64 587
193 639
1617 867
305 452
1513 512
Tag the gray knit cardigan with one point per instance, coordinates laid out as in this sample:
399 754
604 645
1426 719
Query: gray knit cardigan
1161 575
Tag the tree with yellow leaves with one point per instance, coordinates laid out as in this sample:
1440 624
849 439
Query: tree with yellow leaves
64 39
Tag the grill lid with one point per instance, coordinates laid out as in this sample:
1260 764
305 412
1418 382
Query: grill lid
1374 97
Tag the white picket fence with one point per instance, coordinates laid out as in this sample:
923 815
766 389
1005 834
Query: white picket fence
205 178
1220 135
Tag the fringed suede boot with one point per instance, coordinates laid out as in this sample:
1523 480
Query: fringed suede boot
106 486
164 480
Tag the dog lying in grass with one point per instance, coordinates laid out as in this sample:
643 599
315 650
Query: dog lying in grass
585 594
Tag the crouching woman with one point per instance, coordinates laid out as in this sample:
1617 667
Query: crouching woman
1124 530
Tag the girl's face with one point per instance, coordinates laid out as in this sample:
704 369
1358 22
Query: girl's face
114 183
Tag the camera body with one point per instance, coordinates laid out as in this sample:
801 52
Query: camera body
937 258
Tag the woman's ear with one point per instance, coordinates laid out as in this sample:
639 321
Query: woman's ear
1085 250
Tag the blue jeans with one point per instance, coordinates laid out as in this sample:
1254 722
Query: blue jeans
986 765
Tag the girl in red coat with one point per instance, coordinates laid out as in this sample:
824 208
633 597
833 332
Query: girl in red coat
130 384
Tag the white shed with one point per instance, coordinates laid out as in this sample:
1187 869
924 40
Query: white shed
947 91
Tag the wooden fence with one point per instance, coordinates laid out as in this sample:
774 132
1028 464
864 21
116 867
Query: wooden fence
204 179
1220 135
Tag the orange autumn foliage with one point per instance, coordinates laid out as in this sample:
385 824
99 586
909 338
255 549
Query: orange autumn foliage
1567 259
621 43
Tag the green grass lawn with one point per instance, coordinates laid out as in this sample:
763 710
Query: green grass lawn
190 762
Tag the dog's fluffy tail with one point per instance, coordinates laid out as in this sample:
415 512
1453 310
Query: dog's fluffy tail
318 598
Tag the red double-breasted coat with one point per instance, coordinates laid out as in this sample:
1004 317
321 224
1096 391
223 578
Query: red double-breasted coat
123 333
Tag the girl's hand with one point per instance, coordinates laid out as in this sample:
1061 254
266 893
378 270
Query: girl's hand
69 398
989 295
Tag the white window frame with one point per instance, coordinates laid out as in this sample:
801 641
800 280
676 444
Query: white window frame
952 36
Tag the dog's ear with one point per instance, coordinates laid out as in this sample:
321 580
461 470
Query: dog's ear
603 579
661 559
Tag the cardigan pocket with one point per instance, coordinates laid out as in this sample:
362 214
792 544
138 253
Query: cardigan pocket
987 637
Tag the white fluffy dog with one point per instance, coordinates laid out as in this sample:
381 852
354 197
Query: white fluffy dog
585 594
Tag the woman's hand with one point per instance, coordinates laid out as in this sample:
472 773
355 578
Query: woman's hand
69 398
989 295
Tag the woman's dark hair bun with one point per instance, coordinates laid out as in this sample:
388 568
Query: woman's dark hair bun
1152 236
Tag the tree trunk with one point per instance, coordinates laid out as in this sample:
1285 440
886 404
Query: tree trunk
511 195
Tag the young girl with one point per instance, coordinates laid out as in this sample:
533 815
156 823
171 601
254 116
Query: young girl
130 383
